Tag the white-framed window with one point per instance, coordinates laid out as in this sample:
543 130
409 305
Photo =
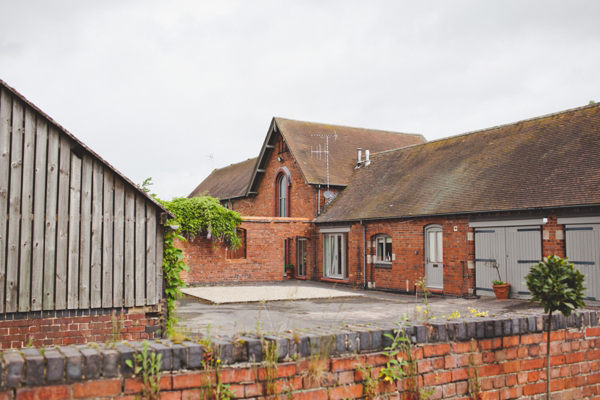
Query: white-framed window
282 195
302 256
383 249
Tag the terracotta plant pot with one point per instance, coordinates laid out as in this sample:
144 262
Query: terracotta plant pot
289 274
502 291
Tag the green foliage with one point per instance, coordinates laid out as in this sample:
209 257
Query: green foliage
149 364
557 285
173 266
395 367
205 215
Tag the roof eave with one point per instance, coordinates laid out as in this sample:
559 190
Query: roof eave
455 213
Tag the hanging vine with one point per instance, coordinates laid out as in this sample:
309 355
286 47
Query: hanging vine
196 216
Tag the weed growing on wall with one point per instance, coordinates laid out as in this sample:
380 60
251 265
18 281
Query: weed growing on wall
149 364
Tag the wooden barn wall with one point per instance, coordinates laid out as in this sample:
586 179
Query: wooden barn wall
73 234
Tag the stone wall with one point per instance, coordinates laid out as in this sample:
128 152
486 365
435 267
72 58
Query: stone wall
508 355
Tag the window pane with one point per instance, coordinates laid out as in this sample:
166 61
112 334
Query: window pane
282 196
432 246
339 259
380 251
440 251
388 249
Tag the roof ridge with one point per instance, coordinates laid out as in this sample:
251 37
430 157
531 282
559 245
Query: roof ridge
554 114
351 127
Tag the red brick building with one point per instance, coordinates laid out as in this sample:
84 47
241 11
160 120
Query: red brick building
286 186
443 211
448 209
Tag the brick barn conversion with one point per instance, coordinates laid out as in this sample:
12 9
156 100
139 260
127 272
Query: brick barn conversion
78 240
443 210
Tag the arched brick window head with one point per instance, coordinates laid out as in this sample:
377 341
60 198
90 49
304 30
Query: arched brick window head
282 193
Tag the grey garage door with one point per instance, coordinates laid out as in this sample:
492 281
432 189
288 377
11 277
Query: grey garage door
583 250
515 249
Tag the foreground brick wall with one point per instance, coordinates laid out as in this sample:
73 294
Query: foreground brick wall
61 328
508 354
264 260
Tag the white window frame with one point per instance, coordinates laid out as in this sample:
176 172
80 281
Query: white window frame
302 256
387 258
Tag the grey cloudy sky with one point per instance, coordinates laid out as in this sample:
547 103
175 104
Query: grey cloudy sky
155 87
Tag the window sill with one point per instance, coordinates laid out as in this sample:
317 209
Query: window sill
335 280
383 265
302 278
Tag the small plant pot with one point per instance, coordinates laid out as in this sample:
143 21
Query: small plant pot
502 292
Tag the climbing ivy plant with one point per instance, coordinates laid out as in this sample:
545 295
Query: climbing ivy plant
196 216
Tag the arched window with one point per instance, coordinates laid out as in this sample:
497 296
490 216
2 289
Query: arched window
282 195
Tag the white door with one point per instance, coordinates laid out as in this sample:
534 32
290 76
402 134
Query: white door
335 256
434 262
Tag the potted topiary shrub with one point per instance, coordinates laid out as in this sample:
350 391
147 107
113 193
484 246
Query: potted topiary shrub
289 270
501 288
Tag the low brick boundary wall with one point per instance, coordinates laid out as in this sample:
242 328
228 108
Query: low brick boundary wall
510 357
67 327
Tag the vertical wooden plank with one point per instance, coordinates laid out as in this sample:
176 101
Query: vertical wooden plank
5 123
160 245
119 236
140 251
27 212
96 260
14 208
51 204
150 253
39 204
129 247
62 226
85 232
107 239
74 213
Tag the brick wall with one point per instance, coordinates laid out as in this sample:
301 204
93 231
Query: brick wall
302 197
508 355
408 246
61 328
264 260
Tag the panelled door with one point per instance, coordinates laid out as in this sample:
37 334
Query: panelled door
514 249
583 250
434 261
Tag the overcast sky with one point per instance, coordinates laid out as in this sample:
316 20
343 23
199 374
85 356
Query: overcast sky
157 87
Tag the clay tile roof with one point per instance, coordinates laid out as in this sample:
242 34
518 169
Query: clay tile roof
544 162
228 182
300 136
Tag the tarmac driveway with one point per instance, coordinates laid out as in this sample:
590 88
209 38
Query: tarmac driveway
372 308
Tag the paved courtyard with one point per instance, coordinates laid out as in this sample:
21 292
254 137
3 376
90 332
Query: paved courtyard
354 307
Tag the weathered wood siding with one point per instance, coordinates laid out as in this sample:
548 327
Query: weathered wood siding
73 233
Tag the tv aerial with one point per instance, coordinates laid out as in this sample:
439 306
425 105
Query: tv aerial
318 152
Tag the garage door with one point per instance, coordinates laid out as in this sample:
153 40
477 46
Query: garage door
583 250
514 248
